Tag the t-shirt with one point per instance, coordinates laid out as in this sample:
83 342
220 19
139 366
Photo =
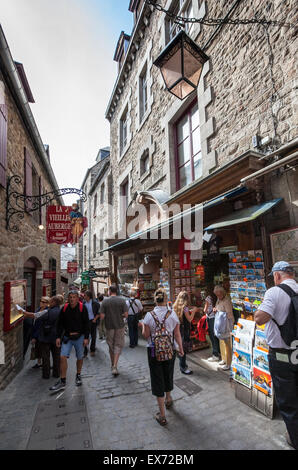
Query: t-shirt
113 308
134 306
210 313
171 322
73 320
276 303
89 306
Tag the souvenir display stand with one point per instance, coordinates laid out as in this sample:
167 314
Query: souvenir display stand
250 368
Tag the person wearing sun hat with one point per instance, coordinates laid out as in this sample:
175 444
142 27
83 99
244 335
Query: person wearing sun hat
273 312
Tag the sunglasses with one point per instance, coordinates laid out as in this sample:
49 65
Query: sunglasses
43 302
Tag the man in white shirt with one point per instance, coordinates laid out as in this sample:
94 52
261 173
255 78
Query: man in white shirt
134 308
93 314
274 311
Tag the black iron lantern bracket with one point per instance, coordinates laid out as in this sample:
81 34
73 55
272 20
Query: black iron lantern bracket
18 204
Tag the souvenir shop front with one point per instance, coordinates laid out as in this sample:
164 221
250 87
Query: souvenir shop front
237 255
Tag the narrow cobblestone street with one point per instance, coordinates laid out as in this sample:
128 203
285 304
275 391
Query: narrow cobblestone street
109 413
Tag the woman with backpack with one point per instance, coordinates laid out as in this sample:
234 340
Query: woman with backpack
185 316
161 328
224 304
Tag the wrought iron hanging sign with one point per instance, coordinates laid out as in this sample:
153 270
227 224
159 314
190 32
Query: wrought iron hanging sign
18 204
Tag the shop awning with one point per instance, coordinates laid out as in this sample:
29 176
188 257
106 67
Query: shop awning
244 215
171 220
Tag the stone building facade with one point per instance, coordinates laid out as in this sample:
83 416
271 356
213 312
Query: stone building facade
245 106
97 185
24 254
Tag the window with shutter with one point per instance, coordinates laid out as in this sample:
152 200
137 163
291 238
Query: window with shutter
3 144
28 178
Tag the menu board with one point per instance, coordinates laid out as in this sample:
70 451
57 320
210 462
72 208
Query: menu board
14 294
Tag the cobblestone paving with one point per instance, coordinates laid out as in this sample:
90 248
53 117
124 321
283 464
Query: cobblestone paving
121 409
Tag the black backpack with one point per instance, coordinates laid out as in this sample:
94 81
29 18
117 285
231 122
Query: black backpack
289 330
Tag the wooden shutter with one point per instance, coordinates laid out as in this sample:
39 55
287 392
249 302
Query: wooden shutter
28 177
3 144
40 208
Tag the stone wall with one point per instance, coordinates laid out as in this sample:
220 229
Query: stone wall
29 241
247 87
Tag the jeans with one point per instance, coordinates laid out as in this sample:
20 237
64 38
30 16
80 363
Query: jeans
46 349
214 340
133 322
93 327
182 362
285 384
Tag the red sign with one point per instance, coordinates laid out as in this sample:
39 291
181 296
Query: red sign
49 274
59 225
72 267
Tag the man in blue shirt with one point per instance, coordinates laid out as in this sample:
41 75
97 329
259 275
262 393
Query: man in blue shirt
93 312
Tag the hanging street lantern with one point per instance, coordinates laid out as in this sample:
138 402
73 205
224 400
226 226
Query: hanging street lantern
181 64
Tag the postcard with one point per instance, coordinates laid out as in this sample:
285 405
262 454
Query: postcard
246 327
242 375
260 359
262 381
261 341
244 342
242 358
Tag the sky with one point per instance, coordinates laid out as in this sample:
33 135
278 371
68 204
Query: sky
67 49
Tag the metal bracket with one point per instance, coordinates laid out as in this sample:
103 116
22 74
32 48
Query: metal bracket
18 204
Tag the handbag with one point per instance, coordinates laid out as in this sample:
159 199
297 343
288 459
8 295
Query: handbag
33 353
187 346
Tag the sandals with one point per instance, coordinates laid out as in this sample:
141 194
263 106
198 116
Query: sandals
169 404
160 419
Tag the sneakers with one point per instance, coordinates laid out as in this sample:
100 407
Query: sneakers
213 359
78 380
221 363
58 386
186 371
225 367
115 371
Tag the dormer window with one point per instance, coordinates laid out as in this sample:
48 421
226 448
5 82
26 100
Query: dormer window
121 49
135 7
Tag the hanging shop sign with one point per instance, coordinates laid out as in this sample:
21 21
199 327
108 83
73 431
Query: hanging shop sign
65 224
72 267
49 274
59 225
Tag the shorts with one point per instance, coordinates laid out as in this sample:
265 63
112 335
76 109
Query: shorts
161 375
78 345
115 340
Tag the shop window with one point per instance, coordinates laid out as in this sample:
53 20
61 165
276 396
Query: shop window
188 147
